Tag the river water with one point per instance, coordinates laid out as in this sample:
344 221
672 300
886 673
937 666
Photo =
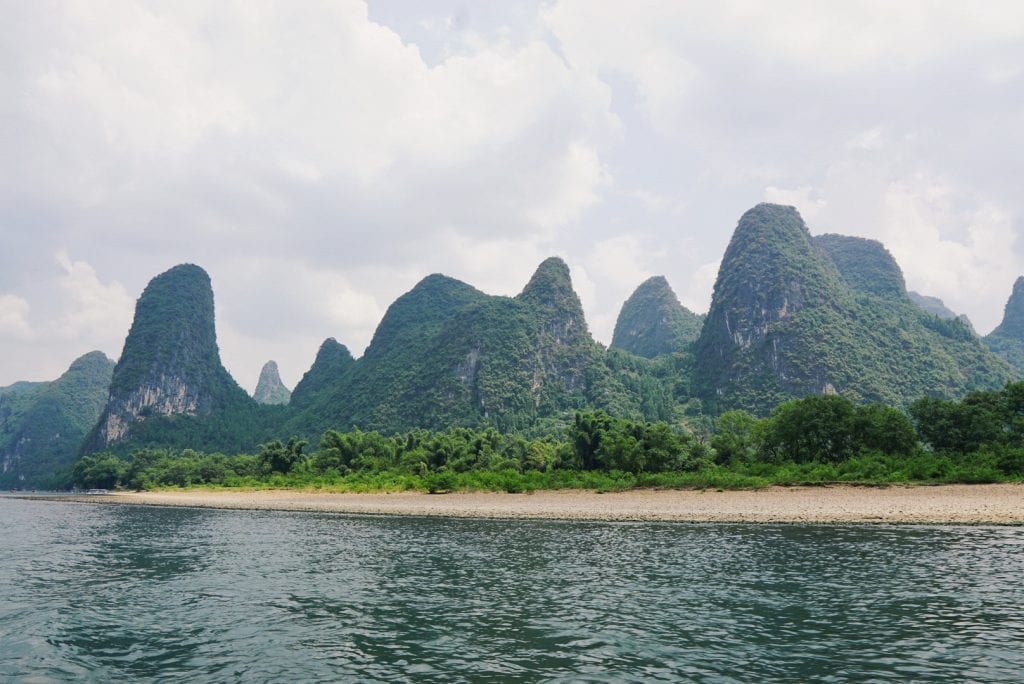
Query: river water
116 593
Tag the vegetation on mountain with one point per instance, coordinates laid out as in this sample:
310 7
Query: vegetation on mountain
864 265
814 439
786 322
169 386
446 354
42 425
1007 340
792 317
653 323
269 388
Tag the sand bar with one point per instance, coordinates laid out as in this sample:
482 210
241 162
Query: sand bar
1001 504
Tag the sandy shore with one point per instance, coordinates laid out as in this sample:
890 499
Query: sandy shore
1001 504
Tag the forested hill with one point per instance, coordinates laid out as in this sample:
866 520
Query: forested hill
792 315
447 354
653 323
42 424
1007 340
169 386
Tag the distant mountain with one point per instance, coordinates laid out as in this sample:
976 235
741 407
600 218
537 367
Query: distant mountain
937 307
1007 340
793 315
447 354
932 305
864 265
169 387
269 388
653 323
42 424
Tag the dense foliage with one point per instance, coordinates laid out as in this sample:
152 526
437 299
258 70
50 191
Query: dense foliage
42 424
793 316
447 354
815 439
653 323
1007 340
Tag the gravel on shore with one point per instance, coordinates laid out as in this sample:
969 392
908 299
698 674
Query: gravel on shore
1001 504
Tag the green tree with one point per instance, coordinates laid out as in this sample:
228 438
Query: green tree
738 438
278 457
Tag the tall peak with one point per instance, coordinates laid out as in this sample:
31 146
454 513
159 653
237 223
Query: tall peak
653 323
170 363
1013 314
270 389
552 297
333 360
551 283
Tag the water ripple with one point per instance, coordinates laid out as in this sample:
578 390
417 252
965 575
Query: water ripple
100 593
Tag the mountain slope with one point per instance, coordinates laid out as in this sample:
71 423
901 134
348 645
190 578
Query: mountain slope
1007 340
653 323
937 307
42 425
269 388
792 315
169 387
447 354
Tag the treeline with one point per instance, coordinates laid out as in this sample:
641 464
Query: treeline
815 439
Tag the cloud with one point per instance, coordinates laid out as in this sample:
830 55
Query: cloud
319 158
14 322
91 310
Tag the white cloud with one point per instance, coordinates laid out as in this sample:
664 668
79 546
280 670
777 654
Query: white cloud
803 198
14 323
91 310
696 295
318 162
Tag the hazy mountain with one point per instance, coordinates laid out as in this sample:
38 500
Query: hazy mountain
1007 340
937 307
653 323
269 388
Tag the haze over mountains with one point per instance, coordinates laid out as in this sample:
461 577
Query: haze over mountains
791 315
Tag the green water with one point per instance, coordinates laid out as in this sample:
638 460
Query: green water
110 593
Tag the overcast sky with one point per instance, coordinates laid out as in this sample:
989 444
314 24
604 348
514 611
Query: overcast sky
319 158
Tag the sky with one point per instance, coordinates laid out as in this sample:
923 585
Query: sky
318 158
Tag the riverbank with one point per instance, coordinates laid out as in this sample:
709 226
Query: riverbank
1001 504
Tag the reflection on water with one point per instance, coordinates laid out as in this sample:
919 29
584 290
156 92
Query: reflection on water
125 594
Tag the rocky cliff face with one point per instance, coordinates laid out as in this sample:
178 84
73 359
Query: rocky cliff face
42 425
269 388
653 323
793 315
1007 340
170 365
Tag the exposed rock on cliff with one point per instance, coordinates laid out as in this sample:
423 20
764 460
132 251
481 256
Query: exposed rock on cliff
270 389
170 365
792 315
